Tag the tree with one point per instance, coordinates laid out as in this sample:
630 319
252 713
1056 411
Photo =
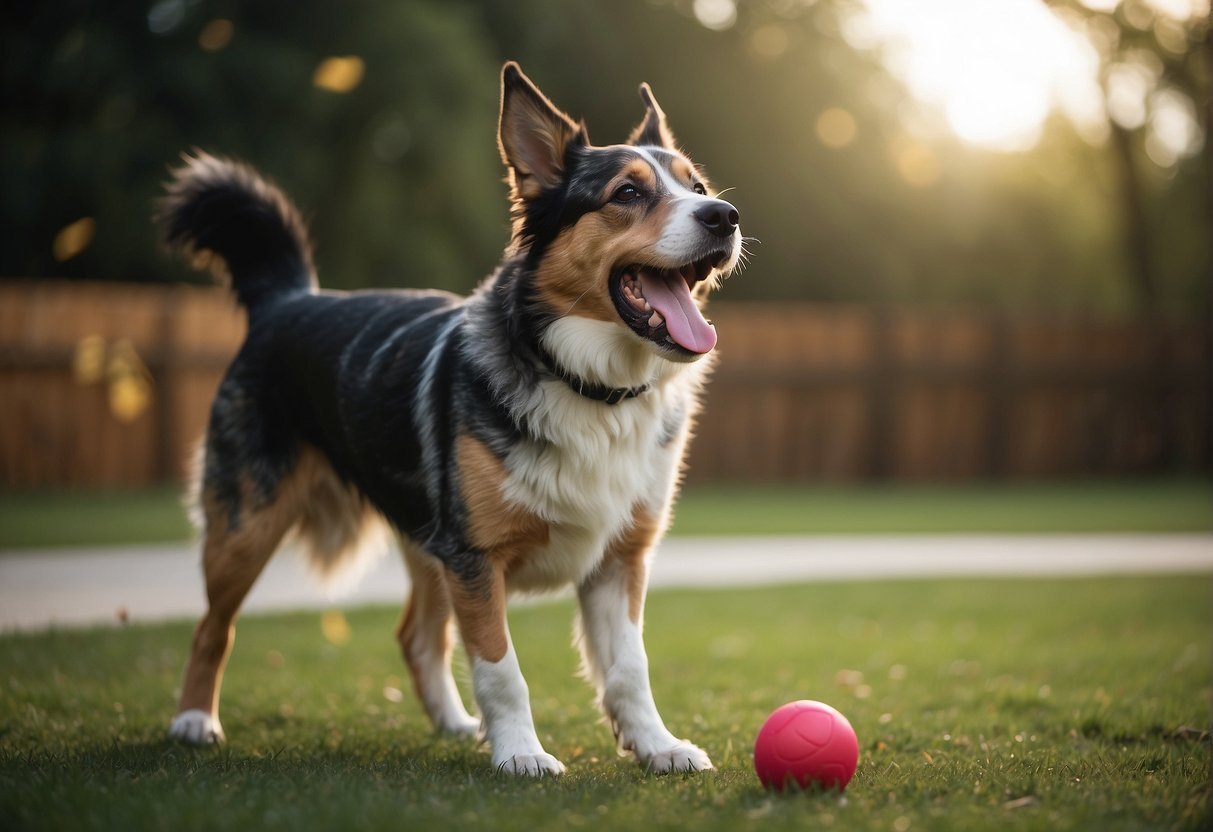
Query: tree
398 173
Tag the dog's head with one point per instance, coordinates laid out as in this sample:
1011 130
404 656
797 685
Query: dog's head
625 240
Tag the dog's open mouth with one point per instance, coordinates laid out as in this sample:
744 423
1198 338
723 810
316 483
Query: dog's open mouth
657 304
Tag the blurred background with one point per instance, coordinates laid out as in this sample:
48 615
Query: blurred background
983 226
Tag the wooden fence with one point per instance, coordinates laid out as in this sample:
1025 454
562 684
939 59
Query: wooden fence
814 392
65 424
109 385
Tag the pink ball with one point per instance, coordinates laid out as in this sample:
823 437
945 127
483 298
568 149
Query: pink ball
807 743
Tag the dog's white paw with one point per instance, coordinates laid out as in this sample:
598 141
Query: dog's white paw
530 765
685 756
455 725
196 727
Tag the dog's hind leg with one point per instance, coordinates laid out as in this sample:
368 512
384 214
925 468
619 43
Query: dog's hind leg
425 636
236 548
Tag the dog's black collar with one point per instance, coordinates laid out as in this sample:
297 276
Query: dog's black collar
589 389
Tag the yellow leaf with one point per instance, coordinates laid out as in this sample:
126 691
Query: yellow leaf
88 363
216 35
339 74
335 628
129 396
73 238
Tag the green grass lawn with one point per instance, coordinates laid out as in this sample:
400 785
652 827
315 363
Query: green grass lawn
91 518
1011 705
1003 508
1175 505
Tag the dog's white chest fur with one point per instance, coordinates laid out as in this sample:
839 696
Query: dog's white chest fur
600 464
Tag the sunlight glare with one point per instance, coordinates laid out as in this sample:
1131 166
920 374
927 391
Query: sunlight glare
715 14
836 128
916 163
1174 132
1129 83
1180 9
994 68
769 41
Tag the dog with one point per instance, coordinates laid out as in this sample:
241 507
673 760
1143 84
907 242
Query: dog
527 437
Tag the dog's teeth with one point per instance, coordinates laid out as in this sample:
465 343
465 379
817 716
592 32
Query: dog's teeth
648 307
656 320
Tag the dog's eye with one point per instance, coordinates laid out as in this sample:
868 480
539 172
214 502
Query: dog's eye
625 193
699 189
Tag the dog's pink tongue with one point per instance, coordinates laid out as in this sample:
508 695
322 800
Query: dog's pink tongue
669 294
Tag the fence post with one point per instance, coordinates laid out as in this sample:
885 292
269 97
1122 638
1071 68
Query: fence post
881 396
999 400
168 366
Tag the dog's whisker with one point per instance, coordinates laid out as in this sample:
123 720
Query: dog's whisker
569 311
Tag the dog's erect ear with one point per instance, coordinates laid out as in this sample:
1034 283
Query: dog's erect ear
533 135
653 130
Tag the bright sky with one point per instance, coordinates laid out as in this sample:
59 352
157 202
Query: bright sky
996 69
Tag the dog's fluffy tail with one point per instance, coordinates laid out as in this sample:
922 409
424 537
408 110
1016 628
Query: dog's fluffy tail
220 208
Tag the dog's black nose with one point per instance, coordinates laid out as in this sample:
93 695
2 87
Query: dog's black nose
719 217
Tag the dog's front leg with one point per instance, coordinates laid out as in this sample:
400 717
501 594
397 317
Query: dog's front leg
500 690
612 647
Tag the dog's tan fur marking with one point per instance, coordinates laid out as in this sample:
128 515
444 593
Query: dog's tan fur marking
683 171
232 558
331 518
426 624
637 171
570 279
630 549
576 269
480 609
505 532
336 520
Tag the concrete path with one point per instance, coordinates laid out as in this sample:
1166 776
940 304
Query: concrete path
146 583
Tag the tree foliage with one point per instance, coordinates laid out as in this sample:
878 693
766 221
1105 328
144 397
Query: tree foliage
402 182
399 176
